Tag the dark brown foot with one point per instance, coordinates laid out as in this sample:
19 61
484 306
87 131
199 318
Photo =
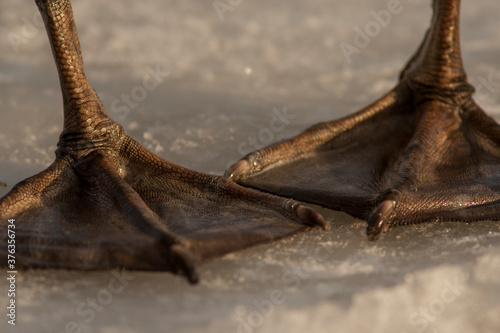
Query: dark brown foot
423 152
108 202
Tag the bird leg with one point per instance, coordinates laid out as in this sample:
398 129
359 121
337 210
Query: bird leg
423 152
108 202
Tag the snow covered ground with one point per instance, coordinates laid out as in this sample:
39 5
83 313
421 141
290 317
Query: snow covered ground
227 73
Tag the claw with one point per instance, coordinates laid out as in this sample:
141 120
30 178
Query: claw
185 261
378 221
310 216
237 169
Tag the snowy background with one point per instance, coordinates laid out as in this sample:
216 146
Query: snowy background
227 73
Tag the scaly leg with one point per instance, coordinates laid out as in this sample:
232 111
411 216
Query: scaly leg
108 202
423 152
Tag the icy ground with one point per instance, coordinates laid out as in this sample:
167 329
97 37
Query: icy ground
227 73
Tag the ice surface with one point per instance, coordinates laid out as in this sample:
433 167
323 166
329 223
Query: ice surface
225 78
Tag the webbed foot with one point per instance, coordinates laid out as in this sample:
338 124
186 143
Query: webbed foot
423 152
108 202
